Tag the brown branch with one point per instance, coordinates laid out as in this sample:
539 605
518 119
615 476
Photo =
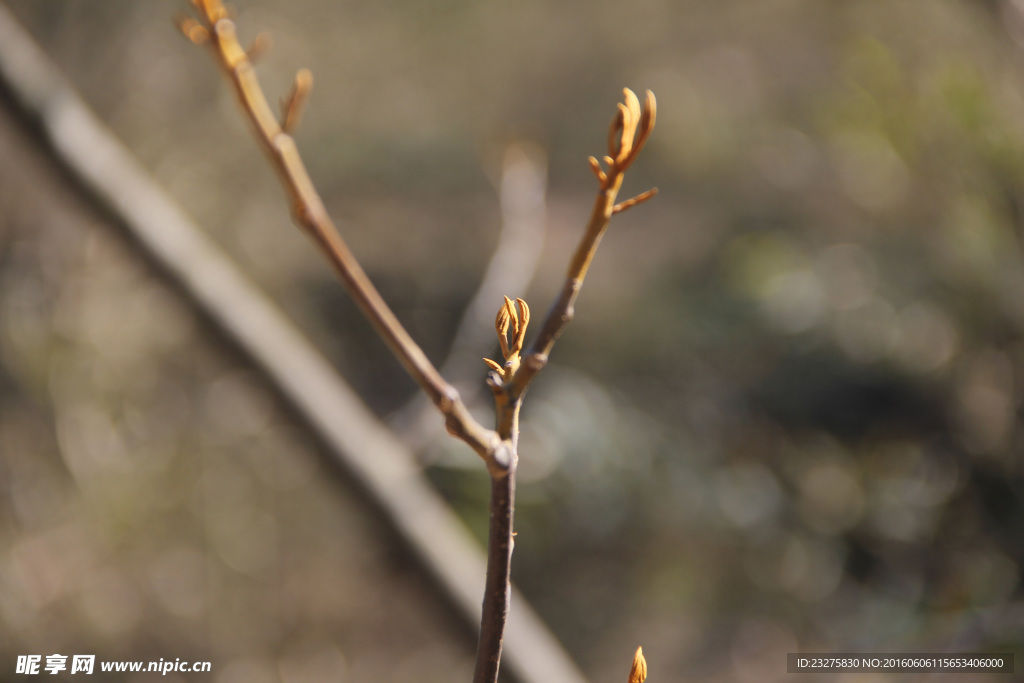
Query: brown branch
219 32
500 540
509 382
499 449
629 132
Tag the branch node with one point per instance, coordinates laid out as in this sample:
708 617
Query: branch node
448 399
500 462
494 381
227 42
537 361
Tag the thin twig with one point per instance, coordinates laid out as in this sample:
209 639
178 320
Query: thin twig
629 132
312 216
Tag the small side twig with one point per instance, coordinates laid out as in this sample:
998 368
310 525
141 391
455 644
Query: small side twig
291 108
627 137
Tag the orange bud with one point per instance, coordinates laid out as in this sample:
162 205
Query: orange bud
638 674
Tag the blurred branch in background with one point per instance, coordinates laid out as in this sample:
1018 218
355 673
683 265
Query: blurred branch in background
521 188
364 448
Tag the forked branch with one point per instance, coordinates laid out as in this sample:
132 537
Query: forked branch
509 380
217 30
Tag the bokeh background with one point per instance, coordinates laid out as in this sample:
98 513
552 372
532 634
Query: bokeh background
787 416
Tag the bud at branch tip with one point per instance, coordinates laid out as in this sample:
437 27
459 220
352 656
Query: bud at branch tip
638 673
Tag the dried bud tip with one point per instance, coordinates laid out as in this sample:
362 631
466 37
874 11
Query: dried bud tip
632 104
292 107
261 45
650 110
638 674
193 30
304 80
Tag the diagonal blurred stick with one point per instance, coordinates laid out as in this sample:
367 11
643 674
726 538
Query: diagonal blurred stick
521 190
357 441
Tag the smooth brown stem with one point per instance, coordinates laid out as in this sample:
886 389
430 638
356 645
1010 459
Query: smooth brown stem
499 562
561 312
500 541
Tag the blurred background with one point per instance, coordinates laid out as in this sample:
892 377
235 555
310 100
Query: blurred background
787 416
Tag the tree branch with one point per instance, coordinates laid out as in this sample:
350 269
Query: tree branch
629 132
500 541
499 449
219 33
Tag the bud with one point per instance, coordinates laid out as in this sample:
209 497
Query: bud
638 674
